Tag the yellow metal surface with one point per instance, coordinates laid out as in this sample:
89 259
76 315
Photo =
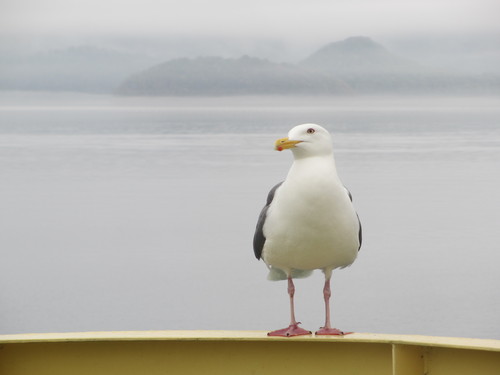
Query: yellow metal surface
243 352
408 359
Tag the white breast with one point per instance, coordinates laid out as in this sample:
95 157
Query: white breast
311 223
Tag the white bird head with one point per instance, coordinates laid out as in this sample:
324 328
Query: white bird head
306 140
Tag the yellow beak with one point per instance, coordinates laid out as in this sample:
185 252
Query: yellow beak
284 143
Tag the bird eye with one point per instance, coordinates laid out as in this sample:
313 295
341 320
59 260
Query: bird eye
310 130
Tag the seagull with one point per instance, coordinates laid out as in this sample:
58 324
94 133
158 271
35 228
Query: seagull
308 221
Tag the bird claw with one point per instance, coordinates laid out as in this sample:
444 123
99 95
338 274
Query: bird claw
291 330
323 331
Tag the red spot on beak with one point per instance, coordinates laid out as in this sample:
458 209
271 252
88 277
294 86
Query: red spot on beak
280 148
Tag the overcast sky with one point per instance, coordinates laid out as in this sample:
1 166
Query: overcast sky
304 19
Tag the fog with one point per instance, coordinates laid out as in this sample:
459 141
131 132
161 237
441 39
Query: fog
95 46
292 29
290 19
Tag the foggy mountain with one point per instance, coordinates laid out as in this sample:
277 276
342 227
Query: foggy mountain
358 55
219 76
82 68
354 65
464 54
368 67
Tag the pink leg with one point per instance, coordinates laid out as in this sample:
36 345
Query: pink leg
327 329
293 329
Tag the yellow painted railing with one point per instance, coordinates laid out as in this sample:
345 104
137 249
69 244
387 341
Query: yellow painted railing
243 352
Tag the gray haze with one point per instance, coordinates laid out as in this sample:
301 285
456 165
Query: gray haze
465 32
281 18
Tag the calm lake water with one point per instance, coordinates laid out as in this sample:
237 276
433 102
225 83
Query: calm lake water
138 214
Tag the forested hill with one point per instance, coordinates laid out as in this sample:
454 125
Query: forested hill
354 65
368 67
359 55
221 76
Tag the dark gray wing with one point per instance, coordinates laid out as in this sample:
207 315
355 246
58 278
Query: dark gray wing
360 233
258 237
